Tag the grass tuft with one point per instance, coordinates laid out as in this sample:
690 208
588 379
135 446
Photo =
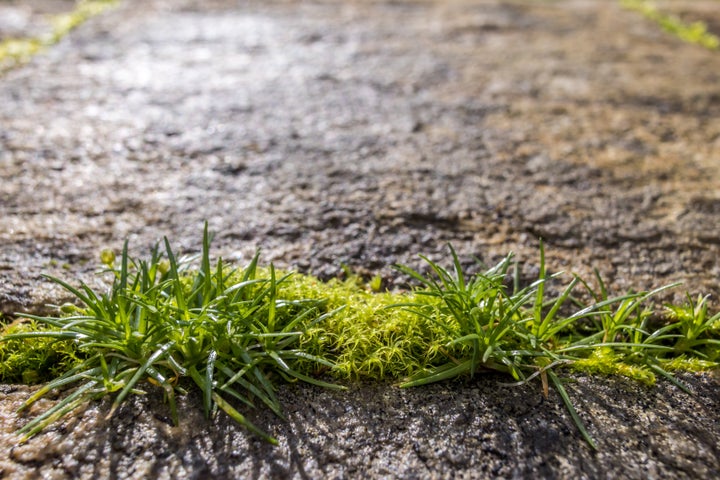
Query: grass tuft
229 332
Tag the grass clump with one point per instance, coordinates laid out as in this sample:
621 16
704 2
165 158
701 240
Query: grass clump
520 332
172 323
228 333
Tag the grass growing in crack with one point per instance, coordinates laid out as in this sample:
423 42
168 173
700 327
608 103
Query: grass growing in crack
522 334
502 331
232 333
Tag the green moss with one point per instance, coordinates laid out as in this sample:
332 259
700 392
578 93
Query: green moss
605 361
367 338
15 51
33 360
695 32
685 364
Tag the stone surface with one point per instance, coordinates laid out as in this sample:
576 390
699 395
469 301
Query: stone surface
23 19
364 133
461 429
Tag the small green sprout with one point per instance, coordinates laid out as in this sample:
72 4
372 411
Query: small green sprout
107 257
376 283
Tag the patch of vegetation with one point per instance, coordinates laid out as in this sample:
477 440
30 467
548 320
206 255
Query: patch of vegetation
695 32
227 331
16 51
520 332
33 360
233 333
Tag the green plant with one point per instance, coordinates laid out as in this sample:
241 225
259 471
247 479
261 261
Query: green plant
34 360
698 332
623 341
227 331
14 51
476 313
366 339
524 334
171 323
496 328
695 32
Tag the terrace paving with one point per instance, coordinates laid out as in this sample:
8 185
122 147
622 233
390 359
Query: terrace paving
363 133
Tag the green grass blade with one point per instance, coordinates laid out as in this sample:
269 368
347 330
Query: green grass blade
68 378
124 268
449 370
209 377
271 300
130 385
559 302
238 377
244 399
82 297
571 409
179 293
319 383
239 418
251 270
459 274
51 334
465 338
59 410
540 292
669 376
417 276
201 382
205 267
163 382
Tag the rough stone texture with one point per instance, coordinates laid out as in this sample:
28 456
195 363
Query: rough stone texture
23 19
461 429
364 133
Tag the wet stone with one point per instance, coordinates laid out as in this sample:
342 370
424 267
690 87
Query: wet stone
364 133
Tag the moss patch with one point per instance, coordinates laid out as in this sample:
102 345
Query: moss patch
16 51
695 32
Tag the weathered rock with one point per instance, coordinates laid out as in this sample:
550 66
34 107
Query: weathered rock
461 429
20 19
365 133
